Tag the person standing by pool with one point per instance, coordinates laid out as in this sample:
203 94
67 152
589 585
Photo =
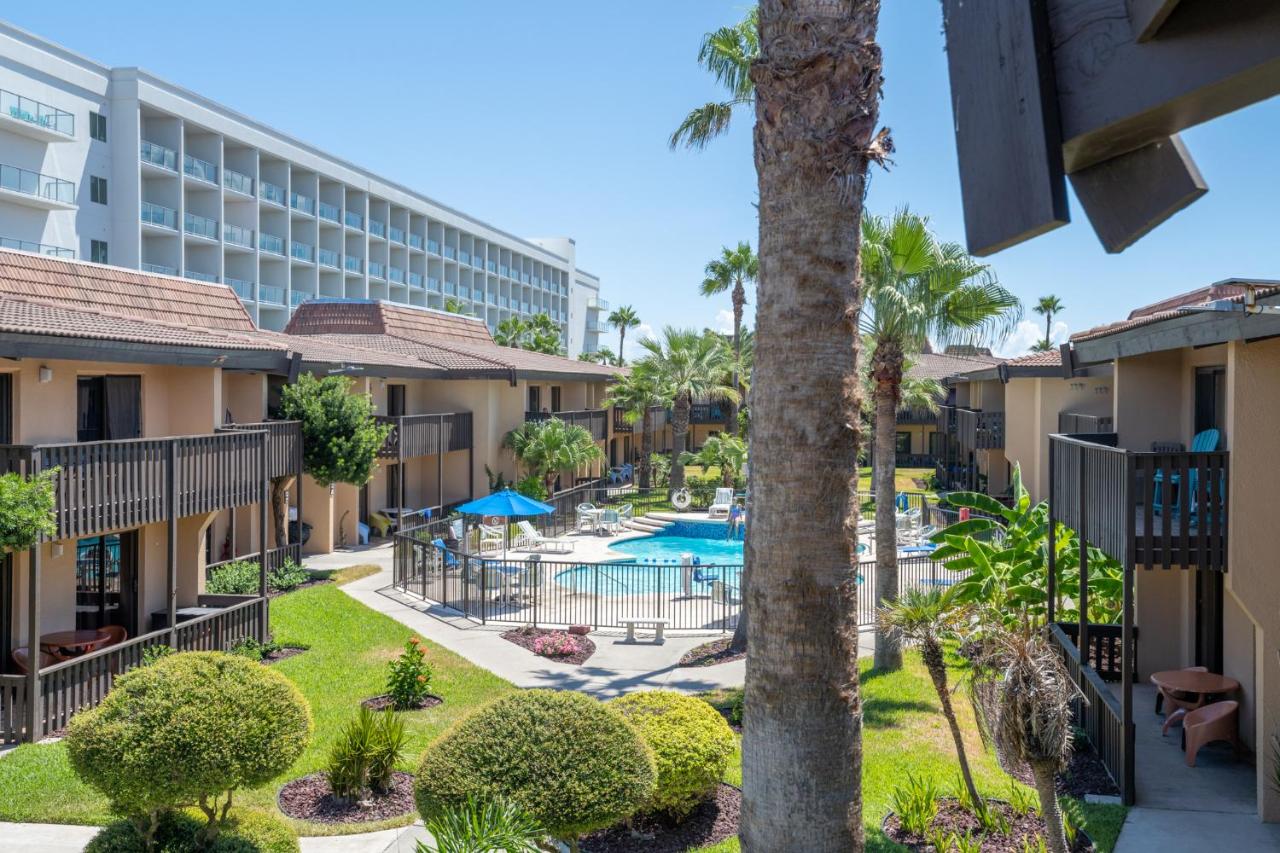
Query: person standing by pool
737 516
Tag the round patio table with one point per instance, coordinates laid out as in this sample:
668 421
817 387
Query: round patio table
1202 684
76 642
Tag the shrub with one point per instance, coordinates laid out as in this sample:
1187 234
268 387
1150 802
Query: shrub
532 487
26 509
691 745
480 826
287 577
409 676
737 707
179 832
365 754
249 647
572 763
151 654
554 645
238 577
185 731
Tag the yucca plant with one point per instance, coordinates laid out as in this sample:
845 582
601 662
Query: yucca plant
388 749
480 826
916 803
925 617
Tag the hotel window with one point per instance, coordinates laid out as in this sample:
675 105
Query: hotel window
98 251
98 126
902 443
555 398
97 189
395 400
108 408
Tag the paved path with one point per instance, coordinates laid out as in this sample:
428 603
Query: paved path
66 838
1148 830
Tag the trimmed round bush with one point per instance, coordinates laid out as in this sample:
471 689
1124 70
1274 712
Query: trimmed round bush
570 762
691 744
245 832
188 726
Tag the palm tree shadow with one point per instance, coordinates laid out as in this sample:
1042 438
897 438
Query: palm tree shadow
878 842
887 713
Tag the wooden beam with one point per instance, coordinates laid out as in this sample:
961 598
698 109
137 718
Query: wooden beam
171 543
34 571
263 501
1128 196
1147 16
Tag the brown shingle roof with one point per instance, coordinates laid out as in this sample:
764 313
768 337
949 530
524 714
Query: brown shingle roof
98 287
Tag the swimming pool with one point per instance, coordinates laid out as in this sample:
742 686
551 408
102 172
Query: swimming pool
652 563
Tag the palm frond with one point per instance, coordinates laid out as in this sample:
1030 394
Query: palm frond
704 124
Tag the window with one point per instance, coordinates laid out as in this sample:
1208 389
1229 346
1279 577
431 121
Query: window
535 398
395 400
98 126
106 581
902 443
393 485
97 189
555 398
108 408
98 251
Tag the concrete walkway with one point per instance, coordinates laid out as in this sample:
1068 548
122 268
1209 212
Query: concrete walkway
1148 830
67 838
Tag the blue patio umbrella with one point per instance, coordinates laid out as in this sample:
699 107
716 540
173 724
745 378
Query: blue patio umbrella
506 504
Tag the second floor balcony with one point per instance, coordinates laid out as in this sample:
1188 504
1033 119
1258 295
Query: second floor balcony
36 248
36 119
594 421
979 430
425 435
1146 509
36 190
201 170
1076 423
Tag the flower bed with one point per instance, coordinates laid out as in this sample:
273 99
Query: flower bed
553 645
710 654
953 819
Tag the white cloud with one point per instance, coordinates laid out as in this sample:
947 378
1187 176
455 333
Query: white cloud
724 322
634 337
1027 334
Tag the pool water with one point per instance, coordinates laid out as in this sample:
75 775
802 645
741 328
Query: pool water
652 564
667 549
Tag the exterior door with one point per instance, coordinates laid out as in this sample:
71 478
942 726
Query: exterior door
1210 413
108 408
535 398
555 398
395 400
107 581
6 408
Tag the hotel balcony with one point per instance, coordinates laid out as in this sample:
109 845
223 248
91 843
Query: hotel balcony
273 193
330 213
234 235
302 251
243 289
36 248
594 421
1145 509
328 258
271 244
352 264
426 435
979 430
201 170
303 204
158 216
1077 423
37 120
36 190
353 220
270 294
200 226
237 182
156 156
377 228
159 269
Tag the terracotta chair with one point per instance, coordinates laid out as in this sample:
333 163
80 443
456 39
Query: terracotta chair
1218 721
22 657
116 634
1177 699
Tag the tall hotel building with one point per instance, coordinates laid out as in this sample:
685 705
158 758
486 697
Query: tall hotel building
117 166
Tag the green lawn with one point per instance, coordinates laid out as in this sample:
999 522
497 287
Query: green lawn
904 732
906 480
349 649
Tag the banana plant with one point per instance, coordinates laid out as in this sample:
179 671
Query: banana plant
1005 552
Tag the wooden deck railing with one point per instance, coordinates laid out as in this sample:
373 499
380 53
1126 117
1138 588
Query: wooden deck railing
284 445
1099 713
276 558
427 434
80 683
1078 423
107 485
594 421
1144 509
979 430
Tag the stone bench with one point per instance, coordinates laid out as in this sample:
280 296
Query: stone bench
658 625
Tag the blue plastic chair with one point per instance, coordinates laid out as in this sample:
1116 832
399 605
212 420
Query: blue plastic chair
1204 442
450 561
901 502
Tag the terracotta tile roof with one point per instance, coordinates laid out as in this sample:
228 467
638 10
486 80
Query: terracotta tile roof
435 356
98 287
326 349
939 366
42 318
1048 358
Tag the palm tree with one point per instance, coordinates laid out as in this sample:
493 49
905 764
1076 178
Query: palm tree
688 365
544 335
727 54
1047 307
455 306
603 355
726 452
925 617
623 317
818 80
511 332
731 271
638 394
916 392
548 447
915 288
1041 346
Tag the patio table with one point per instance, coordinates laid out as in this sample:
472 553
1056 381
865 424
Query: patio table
1202 684
76 642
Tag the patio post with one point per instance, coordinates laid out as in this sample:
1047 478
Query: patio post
263 501
171 544
1127 651
400 489
1083 603
32 711
440 466
1051 586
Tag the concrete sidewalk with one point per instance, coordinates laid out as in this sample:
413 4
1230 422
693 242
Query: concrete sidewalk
1148 830
68 838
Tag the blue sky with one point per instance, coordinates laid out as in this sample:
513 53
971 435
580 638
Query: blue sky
551 118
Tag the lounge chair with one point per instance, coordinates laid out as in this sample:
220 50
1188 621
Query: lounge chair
529 539
450 561
609 521
722 593
720 505
22 657
626 513
381 523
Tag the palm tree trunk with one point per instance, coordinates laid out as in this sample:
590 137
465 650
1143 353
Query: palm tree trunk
1048 324
817 94
279 490
886 370
936 664
1055 837
679 437
622 337
646 447
731 408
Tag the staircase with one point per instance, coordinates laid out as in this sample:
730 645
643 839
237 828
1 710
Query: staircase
647 524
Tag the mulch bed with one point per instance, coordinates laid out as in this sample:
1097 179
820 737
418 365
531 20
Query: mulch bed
710 654
1086 774
276 593
310 798
282 653
712 822
525 638
383 702
954 818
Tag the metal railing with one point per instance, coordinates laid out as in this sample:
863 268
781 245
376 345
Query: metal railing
302 251
330 212
271 293
200 226
595 421
243 288
377 228
159 216
200 169
273 193
423 435
276 558
395 234
159 269
196 275
237 235
271 243
302 203
353 264
237 181
352 219
376 269
34 184
327 258
1078 423
297 297
415 241
158 155
36 248
34 112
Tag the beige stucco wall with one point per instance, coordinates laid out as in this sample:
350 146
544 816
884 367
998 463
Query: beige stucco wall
1164 613
1155 396
1032 405
244 396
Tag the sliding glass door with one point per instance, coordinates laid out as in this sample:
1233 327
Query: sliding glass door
107 581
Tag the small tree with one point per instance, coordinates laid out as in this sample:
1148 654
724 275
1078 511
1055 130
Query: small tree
925 617
340 438
26 510
726 452
547 447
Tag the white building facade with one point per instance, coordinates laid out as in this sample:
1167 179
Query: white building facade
117 166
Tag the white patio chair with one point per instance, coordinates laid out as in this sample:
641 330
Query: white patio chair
609 521
529 539
626 513
586 517
491 536
720 506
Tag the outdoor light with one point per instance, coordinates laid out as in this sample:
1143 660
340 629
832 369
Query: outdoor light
46 374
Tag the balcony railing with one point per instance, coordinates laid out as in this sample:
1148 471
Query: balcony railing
353 220
271 243
271 293
433 284
376 270
284 445
433 246
243 289
353 264
424 435
297 297
415 241
978 430
159 216
415 279
34 184
1076 423
237 181
595 303
36 113
36 248
199 169
196 275
916 415
451 253
273 193
200 226
395 274
396 234
302 251
302 203
330 212
159 269
464 257
237 236
327 258
377 228
595 421
708 413
1145 509
158 155
105 485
